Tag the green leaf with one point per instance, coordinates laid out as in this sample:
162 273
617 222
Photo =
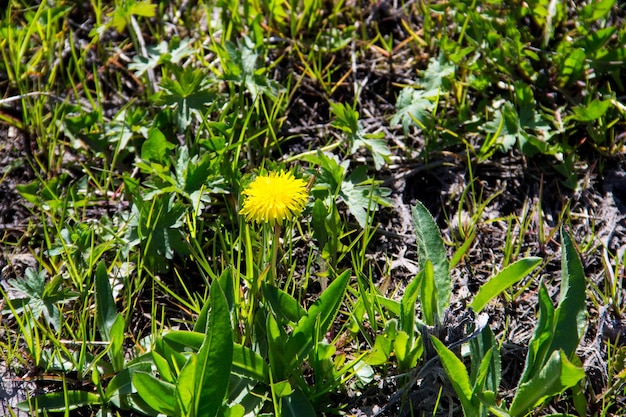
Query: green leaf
283 305
597 10
572 67
318 221
486 372
570 315
297 405
413 109
276 349
555 377
157 394
156 148
317 322
433 79
381 351
143 8
362 194
106 312
62 401
156 224
458 377
210 368
592 111
407 305
430 247
163 367
281 389
428 294
248 363
542 337
502 281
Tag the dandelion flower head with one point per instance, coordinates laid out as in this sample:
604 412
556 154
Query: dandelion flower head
274 197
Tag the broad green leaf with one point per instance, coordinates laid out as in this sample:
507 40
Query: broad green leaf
570 315
180 340
106 312
572 67
248 363
163 367
281 389
143 8
156 148
362 194
297 405
401 348
502 281
485 372
597 9
458 377
318 319
283 305
212 365
120 391
235 410
538 348
555 377
227 283
276 349
429 295
56 401
381 351
157 394
318 221
116 350
407 305
430 247
592 111
245 361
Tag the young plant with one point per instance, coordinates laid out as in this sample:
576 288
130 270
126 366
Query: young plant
551 365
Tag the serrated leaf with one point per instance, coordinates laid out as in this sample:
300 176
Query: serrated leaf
432 79
413 108
362 195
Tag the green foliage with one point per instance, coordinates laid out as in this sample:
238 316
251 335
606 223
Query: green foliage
503 280
362 194
436 285
347 120
40 298
551 365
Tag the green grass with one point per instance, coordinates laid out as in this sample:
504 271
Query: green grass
145 121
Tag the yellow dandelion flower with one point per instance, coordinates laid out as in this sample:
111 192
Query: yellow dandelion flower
274 197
